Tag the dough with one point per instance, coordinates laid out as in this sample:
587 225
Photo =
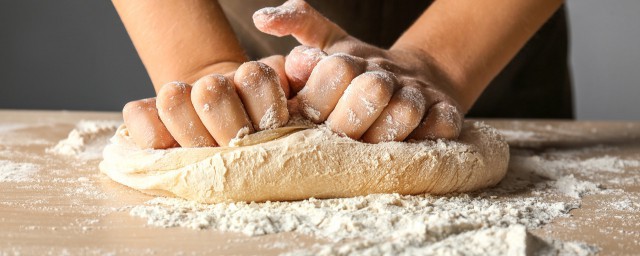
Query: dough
294 163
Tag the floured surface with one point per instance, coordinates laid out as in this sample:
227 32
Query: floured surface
66 207
423 224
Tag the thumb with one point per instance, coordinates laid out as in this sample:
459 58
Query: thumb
299 19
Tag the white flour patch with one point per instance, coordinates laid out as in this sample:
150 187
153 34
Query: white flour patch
375 224
17 134
311 112
17 172
87 140
270 119
561 166
575 188
6 128
511 135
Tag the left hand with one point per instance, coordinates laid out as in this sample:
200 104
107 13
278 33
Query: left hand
360 90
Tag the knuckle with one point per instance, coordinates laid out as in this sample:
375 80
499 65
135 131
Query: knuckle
254 74
139 106
211 86
379 63
376 85
172 89
448 121
408 114
133 106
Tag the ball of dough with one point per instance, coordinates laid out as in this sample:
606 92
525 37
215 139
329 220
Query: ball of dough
295 163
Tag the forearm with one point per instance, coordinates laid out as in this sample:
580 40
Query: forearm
472 41
180 39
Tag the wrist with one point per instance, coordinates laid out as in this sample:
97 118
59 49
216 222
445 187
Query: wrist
222 68
436 71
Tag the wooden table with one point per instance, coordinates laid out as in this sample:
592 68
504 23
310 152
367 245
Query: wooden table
69 207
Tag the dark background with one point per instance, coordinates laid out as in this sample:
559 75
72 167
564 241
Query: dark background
76 55
67 54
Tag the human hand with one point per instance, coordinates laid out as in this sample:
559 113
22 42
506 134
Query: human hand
360 90
215 109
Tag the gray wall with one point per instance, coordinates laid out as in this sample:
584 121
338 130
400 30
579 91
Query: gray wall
605 40
73 54
67 54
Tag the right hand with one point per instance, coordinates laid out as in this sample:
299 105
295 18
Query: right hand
214 110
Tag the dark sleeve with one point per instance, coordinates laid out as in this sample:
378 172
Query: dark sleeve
535 84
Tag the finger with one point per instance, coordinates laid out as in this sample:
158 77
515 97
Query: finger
277 63
326 84
403 114
299 64
362 102
261 94
297 18
442 121
180 118
220 109
144 125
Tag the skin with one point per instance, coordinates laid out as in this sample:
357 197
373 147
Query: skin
202 45
417 89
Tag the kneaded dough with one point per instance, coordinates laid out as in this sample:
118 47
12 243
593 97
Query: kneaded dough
295 163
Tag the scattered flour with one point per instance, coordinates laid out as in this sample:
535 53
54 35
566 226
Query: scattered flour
381 224
538 189
87 140
554 167
511 135
5 128
244 131
353 119
17 172
387 224
311 112
270 119
627 204
573 187
559 167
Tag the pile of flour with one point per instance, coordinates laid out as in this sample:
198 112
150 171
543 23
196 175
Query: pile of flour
87 140
380 224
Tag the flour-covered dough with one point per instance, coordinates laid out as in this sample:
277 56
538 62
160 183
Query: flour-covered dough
294 163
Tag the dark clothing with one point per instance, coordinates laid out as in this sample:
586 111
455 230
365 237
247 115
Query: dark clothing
535 84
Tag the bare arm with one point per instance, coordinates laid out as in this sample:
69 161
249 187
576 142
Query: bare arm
180 39
472 41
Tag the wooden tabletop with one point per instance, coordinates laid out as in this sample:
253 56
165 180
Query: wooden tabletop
67 206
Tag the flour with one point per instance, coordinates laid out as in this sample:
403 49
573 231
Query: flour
270 119
311 112
573 187
492 221
626 204
538 189
374 224
565 162
511 135
559 166
86 140
394 224
17 172
6 128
